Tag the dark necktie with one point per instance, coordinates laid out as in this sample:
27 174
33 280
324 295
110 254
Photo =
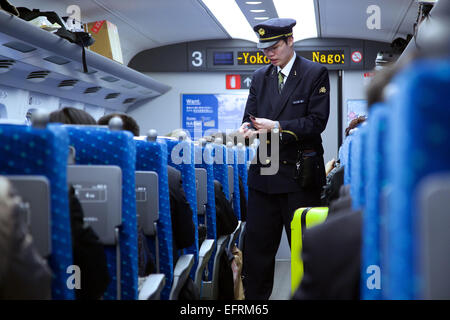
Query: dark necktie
280 82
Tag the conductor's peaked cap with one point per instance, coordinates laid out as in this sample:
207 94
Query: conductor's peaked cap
273 30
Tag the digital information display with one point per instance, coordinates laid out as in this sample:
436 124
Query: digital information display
247 59
223 58
328 57
252 58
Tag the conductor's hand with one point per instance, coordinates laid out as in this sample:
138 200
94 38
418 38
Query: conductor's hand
247 131
263 124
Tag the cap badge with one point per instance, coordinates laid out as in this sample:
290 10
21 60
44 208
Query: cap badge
261 32
323 90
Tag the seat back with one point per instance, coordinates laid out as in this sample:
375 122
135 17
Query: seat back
242 167
376 180
221 167
29 151
147 201
233 162
417 146
346 159
152 156
204 159
101 146
99 190
35 194
250 153
433 194
358 174
230 177
181 156
202 190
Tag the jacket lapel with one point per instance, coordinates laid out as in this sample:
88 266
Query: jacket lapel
291 83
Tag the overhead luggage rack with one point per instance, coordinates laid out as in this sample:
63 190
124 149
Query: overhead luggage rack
37 60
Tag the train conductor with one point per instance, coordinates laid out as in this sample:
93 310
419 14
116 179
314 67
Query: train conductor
290 94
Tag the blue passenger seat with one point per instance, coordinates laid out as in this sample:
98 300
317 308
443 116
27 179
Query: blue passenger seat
417 147
101 146
26 150
376 181
152 156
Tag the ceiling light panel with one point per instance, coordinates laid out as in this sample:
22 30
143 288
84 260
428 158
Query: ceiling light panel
303 12
230 16
257 11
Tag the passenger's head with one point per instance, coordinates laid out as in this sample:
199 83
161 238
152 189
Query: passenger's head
129 123
177 133
354 123
69 115
29 114
221 135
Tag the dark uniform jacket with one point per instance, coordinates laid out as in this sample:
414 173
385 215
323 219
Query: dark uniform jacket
302 110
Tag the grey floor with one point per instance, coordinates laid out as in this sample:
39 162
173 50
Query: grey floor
282 280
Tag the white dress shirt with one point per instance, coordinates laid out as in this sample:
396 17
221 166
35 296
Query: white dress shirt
287 68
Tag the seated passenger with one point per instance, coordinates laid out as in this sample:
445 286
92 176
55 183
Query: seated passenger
353 124
70 115
88 252
226 221
24 274
335 172
129 123
180 212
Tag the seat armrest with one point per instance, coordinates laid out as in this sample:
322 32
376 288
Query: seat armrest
234 235
152 287
207 248
181 273
204 255
221 241
241 236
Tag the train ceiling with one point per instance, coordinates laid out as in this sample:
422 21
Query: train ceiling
146 24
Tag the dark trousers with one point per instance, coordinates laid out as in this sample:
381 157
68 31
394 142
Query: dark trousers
267 214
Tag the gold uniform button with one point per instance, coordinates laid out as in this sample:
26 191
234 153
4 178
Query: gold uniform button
268 141
267 161
284 162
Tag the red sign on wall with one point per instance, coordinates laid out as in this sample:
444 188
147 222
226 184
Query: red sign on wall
233 81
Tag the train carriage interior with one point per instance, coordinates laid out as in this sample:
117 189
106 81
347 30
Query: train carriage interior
125 173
